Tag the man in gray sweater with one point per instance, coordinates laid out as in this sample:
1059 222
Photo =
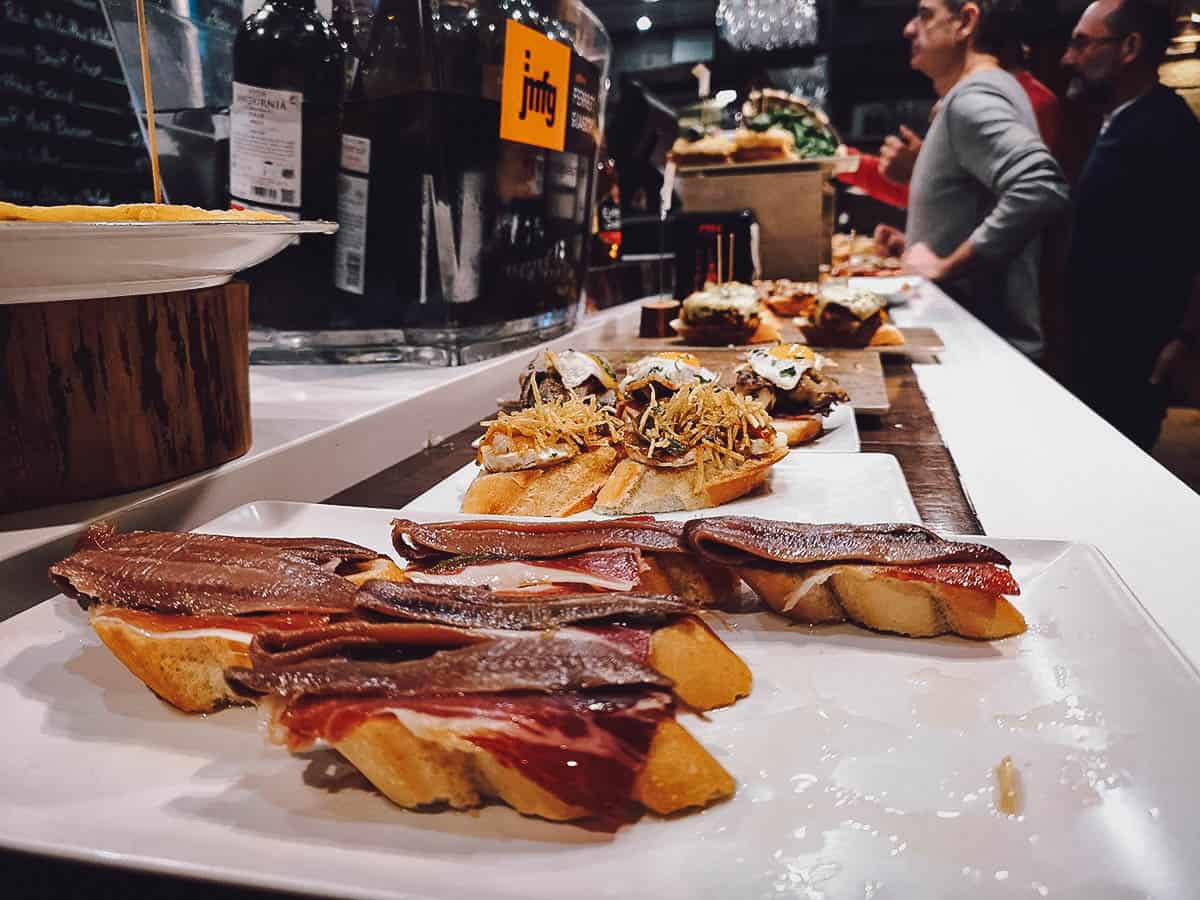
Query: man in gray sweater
984 186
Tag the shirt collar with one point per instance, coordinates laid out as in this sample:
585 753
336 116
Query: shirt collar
1108 120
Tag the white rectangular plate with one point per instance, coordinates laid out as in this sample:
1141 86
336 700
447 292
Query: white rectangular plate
803 487
864 766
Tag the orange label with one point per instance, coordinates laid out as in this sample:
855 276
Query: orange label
535 92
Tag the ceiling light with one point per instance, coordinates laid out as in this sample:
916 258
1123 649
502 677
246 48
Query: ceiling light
643 23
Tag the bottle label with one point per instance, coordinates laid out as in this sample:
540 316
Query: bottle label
264 145
349 271
549 95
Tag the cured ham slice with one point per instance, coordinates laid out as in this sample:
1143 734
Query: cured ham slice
566 730
604 570
540 540
586 752
468 606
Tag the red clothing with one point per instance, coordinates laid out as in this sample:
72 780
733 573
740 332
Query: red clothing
870 180
1046 109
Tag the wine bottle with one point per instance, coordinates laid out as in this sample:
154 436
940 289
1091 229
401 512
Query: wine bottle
288 83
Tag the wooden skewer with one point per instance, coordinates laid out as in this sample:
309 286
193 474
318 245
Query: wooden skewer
720 280
144 43
732 238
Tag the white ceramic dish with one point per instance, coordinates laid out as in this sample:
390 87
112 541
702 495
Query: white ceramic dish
864 766
804 487
44 261
897 289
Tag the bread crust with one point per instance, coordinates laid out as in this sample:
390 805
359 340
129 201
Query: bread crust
442 768
905 607
187 672
691 578
560 490
635 488
707 674
799 430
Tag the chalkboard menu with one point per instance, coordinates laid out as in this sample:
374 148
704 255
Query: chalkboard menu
67 129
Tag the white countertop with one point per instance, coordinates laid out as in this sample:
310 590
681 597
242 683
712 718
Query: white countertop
1034 461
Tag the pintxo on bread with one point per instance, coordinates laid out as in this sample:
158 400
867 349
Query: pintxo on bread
541 686
792 382
178 608
849 317
903 579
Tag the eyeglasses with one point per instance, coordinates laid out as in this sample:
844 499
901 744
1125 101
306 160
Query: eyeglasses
1081 42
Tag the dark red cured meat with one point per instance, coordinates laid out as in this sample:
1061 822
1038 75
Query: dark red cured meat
499 666
585 749
632 640
983 577
476 607
622 563
533 540
199 574
741 540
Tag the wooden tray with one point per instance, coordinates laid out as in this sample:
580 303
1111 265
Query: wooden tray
858 371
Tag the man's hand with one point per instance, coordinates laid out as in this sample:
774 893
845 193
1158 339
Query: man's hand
1168 361
889 241
920 260
898 155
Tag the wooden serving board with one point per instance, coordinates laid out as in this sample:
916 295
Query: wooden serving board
859 372
917 341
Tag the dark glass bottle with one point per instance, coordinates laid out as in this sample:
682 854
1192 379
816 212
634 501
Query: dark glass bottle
459 229
288 86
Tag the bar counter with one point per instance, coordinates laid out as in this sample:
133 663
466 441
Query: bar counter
987 441
1032 460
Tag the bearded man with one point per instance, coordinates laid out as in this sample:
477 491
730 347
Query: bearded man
1134 256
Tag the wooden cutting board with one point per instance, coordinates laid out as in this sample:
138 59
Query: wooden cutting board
859 372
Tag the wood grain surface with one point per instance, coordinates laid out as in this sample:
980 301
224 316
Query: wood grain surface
98 397
919 342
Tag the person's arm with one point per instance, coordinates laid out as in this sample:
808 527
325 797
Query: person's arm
871 181
1186 340
997 148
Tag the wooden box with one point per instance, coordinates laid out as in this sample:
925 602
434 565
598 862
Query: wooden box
793 202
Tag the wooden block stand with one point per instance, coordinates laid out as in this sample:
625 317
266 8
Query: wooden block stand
98 397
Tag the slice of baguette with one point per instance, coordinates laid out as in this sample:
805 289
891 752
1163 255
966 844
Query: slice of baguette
799 429
439 767
707 674
859 595
636 488
689 577
561 490
187 672
887 335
